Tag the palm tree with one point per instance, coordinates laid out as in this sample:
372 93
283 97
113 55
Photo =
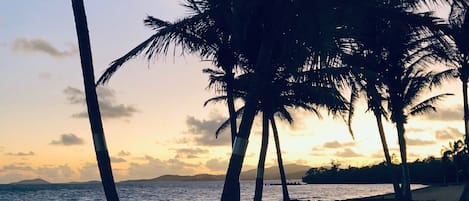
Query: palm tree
368 82
458 53
385 66
406 81
262 156
102 154
298 90
282 23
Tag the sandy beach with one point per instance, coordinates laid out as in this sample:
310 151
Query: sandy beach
431 193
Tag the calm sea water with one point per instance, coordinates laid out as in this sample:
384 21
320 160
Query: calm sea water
197 191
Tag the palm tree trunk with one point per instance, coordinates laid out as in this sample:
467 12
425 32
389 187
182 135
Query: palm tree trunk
405 190
465 194
283 177
230 193
262 155
387 156
231 107
102 155
466 110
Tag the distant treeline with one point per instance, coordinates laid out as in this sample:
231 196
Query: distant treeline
427 171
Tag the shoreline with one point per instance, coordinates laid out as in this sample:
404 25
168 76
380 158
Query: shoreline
451 192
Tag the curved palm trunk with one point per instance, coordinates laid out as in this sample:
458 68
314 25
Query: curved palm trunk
466 110
283 178
465 194
262 155
241 140
232 116
231 107
405 190
387 156
94 114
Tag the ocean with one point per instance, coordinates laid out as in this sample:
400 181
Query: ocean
194 190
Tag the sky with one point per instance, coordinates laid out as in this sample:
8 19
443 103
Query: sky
153 114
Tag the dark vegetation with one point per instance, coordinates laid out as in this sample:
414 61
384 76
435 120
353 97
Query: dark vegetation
450 168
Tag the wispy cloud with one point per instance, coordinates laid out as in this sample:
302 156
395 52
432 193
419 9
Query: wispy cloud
446 114
44 75
36 45
449 134
107 103
117 160
30 153
348 153
217 164
67 140
154 167
419 142
123 153
336 145
16 167
190 152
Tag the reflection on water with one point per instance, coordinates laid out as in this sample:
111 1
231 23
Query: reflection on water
203 191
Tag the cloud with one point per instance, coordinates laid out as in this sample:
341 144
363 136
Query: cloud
419 142
445 114
89 171
190 152
335 144
154 167
117 160
17 167
30 153
448 134
123 153
415 130
217 164
36 45
204 130
60 172
44 76
378 154
348 153
68 139
107 103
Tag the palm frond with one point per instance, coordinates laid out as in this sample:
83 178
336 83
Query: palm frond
226 123
428 104
215 100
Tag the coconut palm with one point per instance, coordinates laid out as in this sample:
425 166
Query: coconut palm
380 62
102 154
458 53
367 82
406 81
283 23
296 90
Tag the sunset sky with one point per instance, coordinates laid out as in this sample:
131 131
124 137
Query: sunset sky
154 118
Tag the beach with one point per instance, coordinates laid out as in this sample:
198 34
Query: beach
430 193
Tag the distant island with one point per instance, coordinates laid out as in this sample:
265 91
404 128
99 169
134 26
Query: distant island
36 181
292 171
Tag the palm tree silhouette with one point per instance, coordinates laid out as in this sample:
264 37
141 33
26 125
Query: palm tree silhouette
309 90
94 114
458 54
388 67
367 81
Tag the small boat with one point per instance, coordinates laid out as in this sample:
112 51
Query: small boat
288 183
